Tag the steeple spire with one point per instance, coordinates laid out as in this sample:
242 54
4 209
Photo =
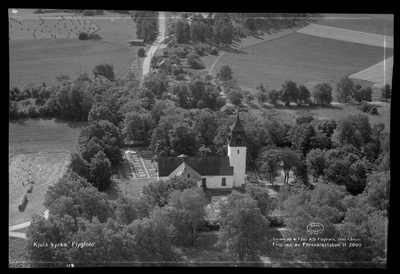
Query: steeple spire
238 135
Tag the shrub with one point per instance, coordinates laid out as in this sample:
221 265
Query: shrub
88 13
22 204
141 52
83 36
99 12
368 108
32 112
94 36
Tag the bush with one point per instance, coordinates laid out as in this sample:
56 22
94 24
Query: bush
22 204
83 36
141 52
94 36
88 13
368 108
32 112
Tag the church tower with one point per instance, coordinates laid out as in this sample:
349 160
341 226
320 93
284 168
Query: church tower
237 152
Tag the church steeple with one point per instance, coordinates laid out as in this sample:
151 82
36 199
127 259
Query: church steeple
238 135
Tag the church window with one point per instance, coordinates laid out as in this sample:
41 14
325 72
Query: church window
203 182
223 181
238 152
188 175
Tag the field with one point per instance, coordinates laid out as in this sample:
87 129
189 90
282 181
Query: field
39 135
371 23
17 254
44 169
41 59
300 58
38 150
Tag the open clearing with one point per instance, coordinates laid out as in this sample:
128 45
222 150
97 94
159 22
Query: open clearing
300 58
44 169
43 135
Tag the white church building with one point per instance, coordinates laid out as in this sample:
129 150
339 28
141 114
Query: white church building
214 172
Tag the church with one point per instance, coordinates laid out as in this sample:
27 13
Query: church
214 172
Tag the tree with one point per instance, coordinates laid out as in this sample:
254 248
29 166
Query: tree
79 165
194 61
155 84
290 160
183 139
235 97
225 73
158 110
268 161
186 211
138 126
265 203
100 171
386 91
304 119
322 94
129 209
206 127
243 227
316 163
327 126
272 96
303 94
141 52
158 192
109 137
289 92
353 129
302 137
99 112
377 191
345 89
105 70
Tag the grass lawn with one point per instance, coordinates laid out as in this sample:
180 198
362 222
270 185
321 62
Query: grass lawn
35 135
300 58
17 253
42 168
127 187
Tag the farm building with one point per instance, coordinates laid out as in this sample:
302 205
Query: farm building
180 51
213 172
137 42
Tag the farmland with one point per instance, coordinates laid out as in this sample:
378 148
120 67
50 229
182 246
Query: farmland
300 58
41 59
44 169
43 135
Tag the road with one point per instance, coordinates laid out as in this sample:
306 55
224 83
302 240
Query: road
156 44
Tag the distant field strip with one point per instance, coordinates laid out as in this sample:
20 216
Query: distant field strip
348 35
380 73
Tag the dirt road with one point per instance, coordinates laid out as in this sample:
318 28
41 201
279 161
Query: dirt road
156 44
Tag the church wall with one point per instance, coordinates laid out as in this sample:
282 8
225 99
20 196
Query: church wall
216 181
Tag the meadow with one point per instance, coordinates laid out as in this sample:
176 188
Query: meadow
43 135
300 58
41 59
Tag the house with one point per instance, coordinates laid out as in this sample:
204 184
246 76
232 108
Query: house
180 51
165 65
227 110
82 84
213 172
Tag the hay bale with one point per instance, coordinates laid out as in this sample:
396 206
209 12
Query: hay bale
22 204
29 190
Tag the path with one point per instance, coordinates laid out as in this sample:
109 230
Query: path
156 44
21 235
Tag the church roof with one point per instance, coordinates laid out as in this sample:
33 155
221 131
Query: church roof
205 166
183 170
237 126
